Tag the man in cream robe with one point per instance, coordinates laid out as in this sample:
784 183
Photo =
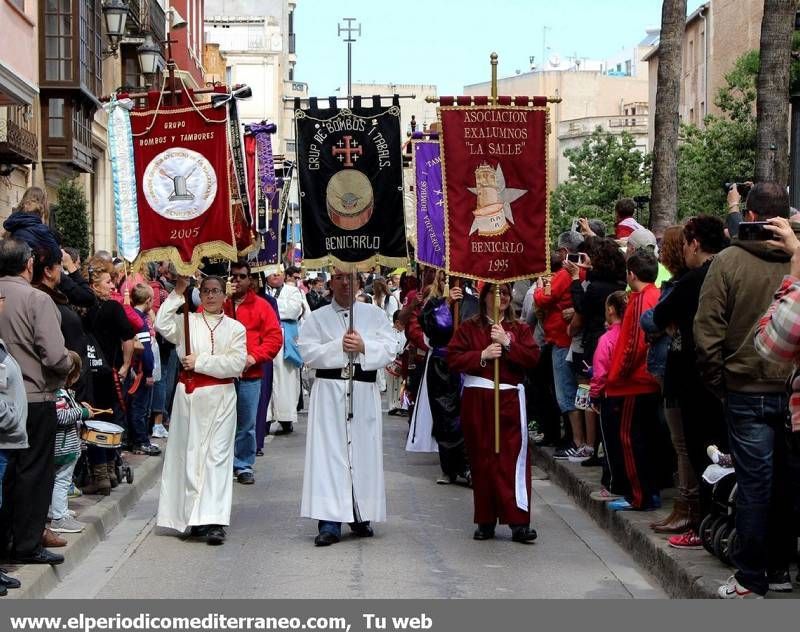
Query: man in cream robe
286 374
196 482
343 477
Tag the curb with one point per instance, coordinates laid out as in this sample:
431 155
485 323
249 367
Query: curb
682 574
101 514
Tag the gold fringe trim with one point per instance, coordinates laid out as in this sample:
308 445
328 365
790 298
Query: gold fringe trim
169 253
356 266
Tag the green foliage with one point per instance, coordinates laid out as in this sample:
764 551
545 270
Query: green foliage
605 168
72 220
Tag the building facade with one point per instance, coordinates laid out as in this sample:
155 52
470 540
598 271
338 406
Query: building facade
717 33
588 97
19 101
253 42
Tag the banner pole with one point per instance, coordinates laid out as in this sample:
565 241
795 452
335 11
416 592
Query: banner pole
351 356
497 375
457 307
493 61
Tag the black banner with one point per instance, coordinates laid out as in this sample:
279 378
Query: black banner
351 186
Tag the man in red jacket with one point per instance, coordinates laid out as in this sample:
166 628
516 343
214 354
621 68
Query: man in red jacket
630 414
264 340
554 299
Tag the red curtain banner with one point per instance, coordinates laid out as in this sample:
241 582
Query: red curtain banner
182 180
494 167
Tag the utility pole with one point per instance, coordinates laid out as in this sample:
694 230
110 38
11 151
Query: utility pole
349 32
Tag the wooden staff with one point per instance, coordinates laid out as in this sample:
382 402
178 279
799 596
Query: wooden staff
457 307
497 375
351 356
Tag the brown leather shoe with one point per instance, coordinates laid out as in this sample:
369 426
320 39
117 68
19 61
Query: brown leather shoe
681 522
676 507
51 540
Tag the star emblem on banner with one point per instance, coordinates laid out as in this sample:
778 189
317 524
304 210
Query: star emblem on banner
505 194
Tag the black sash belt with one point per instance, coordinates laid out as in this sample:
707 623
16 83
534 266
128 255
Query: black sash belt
341 374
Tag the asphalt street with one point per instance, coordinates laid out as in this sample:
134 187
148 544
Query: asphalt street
424 550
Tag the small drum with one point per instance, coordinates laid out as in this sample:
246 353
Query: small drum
582 399
102 434
349 199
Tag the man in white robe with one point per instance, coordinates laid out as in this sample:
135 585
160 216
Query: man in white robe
343 476
196 482
285 373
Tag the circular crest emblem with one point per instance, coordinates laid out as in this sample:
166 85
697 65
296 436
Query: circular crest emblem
349 199
180 184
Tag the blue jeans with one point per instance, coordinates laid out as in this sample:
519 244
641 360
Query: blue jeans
139 414
3 463
564 379
756 428
248 393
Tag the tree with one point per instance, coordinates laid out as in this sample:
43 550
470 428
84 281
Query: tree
72 221
603 169
772 104
664 194
723 150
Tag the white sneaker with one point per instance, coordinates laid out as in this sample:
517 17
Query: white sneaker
67 525
160 432
732 589
583 453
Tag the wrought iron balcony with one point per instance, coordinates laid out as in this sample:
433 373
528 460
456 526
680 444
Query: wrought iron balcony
134 14
18 142
146 17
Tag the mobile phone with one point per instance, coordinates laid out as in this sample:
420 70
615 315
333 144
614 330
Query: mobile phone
574 257
754 231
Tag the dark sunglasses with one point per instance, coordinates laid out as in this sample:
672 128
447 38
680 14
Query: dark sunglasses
240 275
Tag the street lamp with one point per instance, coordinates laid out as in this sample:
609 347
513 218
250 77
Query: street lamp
115 13
149 56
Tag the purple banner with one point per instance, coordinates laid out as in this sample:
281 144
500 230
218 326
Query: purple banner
430 203
267 259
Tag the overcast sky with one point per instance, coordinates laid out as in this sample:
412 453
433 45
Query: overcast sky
448 42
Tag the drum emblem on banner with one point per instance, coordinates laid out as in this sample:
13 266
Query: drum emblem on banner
493 212
349 199
180 184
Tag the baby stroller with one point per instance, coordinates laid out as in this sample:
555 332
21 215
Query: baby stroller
718 528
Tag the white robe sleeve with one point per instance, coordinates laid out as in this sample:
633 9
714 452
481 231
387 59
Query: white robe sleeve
379 344
291 303
231 362
315 353
169 323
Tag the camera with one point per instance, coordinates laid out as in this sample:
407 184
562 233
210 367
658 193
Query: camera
574 257
742 187
754 231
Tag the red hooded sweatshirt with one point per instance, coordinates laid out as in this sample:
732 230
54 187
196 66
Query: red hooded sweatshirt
264 336
628 374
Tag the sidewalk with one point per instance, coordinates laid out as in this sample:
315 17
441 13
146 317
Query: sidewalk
682 574
101 514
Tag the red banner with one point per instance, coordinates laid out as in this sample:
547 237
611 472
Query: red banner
494 167
182 179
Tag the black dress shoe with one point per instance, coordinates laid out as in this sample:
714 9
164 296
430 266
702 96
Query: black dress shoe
524 535
246 478
287 427
362 529
9 582
42 556
259 452
3 591
326 539
215 535
198 531
483 532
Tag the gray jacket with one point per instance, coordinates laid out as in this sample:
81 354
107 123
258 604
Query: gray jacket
13 403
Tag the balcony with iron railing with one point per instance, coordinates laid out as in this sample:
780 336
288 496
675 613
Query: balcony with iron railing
18 142
146 17
632 123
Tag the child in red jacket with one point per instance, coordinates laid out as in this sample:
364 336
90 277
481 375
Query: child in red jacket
630 416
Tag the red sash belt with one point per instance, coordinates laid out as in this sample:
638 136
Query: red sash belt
193 380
